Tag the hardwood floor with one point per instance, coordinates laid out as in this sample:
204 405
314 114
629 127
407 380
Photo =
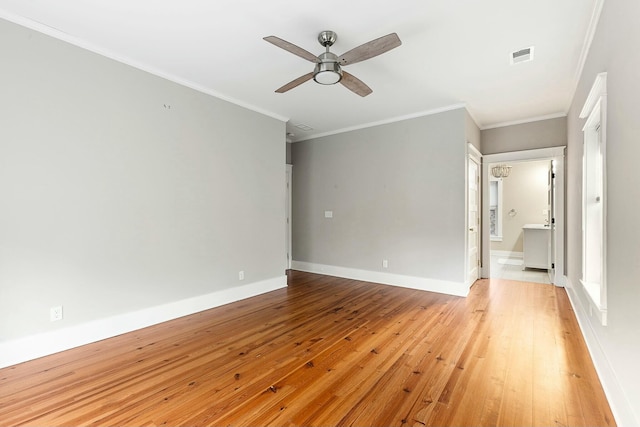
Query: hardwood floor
328 351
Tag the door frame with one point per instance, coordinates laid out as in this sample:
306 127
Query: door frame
553 153
473 155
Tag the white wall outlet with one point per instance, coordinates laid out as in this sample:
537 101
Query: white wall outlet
55 313
385 263
241 275
328 214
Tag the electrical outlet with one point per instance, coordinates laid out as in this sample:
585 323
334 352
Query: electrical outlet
241 275
385 263
55 313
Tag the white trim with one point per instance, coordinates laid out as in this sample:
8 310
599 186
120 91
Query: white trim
382 122
595 111
526 155
598 90
523 121
473 151
508 254
499 206
618 401
588 39
594 307
420 283
34 346
76 41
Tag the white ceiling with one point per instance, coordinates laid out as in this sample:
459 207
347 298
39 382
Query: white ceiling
453 53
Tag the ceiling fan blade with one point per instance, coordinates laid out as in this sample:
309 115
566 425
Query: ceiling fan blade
290 47
369 50
354 84
294 83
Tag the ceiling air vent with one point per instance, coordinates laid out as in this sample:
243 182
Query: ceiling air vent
522 55
304 127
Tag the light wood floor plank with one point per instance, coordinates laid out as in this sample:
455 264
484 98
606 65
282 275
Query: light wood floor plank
329 351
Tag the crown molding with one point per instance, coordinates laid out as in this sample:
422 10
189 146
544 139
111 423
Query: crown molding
83 44
523 121
384 122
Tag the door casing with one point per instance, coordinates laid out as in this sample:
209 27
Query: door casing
553 153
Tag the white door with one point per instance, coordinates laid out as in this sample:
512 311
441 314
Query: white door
288 215
473 221
551 220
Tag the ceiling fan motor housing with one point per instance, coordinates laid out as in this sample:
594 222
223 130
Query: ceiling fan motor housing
327 71
327 38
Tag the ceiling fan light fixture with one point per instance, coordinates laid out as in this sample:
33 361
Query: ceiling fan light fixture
327 77
327 69
327 72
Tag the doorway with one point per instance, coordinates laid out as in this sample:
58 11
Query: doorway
521 214
540 229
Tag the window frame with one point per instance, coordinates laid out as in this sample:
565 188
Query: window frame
499 206
594 194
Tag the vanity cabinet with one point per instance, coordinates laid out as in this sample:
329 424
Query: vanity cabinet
536 246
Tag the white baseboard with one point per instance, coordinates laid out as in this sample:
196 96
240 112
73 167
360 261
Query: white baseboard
420 283
34 346
508 254
618 401
561 280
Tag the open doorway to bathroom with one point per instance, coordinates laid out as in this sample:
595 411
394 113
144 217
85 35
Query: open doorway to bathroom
523 237
521 216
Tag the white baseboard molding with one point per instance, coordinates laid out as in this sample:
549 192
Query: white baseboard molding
561 280
420 283
35 346
508 254
618 401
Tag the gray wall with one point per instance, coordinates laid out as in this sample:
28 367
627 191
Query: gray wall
472 131
617 35
121 191
397 192
525 136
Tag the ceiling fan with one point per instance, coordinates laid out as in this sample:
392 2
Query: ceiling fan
328 69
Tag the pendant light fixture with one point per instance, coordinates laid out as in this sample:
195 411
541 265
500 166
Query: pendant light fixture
500 171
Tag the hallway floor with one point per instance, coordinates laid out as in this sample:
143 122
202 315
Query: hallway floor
511 269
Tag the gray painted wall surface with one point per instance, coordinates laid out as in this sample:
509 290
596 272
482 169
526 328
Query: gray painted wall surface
525 136
617 35
110 201
472 131
397 192
288 155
